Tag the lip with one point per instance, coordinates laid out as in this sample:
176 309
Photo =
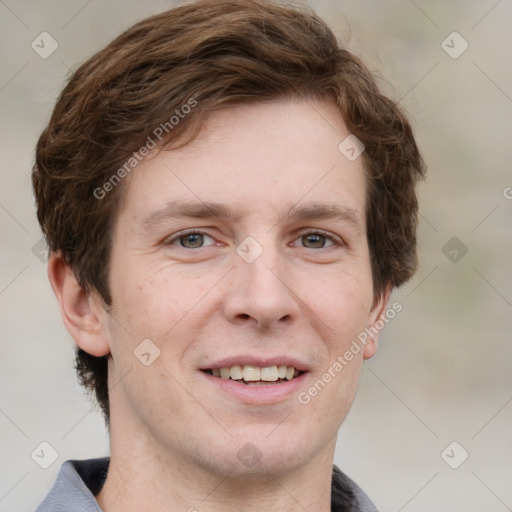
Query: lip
265 394
262 362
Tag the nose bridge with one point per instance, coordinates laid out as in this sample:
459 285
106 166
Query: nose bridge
261 263
260 287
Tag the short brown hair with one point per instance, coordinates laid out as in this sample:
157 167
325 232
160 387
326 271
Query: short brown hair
219 53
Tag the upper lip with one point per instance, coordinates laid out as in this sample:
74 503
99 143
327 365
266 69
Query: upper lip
257 361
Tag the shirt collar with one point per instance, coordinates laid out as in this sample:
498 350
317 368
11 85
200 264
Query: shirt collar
79 481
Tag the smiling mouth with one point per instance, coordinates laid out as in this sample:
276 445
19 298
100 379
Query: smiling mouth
255 375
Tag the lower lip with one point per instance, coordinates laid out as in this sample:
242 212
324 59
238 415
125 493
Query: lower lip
260 394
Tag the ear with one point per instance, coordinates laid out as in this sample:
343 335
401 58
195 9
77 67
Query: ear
83 313
376 322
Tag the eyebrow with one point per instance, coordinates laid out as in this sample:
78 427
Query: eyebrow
212 210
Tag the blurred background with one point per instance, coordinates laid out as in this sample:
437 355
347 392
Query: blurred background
430 428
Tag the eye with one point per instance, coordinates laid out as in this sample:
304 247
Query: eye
193 239
317 239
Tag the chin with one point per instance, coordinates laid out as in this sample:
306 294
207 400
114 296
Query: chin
265 450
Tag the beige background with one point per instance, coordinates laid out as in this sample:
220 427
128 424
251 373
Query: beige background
443 370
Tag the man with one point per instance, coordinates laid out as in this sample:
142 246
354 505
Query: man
228 201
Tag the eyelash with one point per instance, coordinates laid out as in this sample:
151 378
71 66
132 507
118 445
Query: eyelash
183 234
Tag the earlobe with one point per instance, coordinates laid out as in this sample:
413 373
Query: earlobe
376 323
82 313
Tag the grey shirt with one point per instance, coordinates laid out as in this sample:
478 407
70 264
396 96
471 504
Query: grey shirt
79 481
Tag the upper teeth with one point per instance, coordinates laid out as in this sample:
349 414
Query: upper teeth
251 373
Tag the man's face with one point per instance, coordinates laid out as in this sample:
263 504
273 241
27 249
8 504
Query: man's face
254 288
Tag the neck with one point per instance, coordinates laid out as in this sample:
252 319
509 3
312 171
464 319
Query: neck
142 477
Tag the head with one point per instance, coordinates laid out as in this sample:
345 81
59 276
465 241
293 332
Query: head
185 106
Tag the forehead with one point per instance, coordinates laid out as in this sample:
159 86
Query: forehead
280 158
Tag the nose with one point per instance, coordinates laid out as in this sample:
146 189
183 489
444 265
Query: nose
260 292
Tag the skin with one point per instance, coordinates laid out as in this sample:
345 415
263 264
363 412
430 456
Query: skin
175 436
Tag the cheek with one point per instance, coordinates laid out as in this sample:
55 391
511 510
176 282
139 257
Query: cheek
155 303
143 297
341 305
